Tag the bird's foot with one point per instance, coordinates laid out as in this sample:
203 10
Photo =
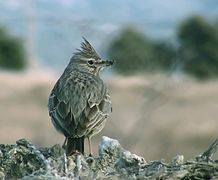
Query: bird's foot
63 146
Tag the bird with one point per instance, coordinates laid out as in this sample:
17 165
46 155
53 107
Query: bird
79 103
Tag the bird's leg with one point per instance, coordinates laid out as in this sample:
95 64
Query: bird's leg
63 146
90 147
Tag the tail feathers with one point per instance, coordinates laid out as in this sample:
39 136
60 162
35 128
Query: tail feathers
75 145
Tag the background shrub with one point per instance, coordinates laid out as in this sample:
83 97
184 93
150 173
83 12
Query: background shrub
12 54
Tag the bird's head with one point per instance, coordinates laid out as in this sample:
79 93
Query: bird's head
88 60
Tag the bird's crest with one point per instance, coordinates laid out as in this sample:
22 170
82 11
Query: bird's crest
86 50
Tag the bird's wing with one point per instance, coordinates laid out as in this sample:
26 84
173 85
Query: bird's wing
95 116
70 97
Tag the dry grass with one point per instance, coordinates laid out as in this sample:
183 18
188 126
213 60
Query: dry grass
155 116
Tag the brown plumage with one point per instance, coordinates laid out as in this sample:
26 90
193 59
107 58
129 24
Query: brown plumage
79 103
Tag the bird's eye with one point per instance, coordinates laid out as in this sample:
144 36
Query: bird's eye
90 62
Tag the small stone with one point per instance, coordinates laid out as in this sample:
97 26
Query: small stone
178 160
2 175
90 160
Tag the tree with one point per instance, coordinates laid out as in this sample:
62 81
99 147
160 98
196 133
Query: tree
199 44
12 55
135 53
131 50
164 56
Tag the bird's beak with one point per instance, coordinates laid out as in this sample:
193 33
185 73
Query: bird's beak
107 62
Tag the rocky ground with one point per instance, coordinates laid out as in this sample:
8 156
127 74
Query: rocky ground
24 161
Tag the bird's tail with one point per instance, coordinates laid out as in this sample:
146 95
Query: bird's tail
75 145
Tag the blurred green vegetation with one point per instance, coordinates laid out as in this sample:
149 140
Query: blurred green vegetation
132 50
195 51
12 54
136 53
198 47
